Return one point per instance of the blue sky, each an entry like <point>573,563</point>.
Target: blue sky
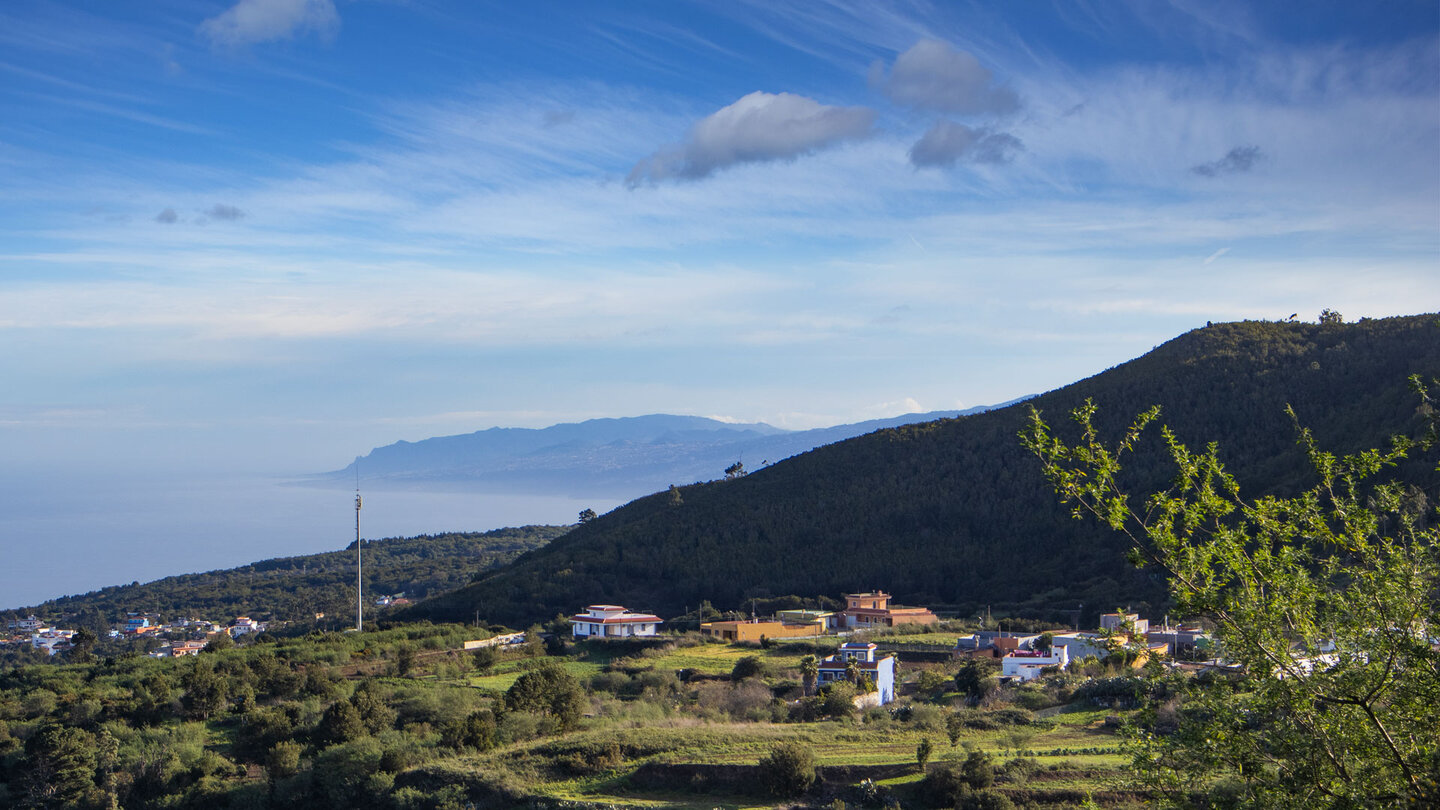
<point>272,234</point>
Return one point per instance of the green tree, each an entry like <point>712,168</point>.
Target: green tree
<point>475,730</point>
<point>978,771</point>
<point>1325,602</point>
<point>404,660</point>
<point>736,470</point>
<point>586,515</point>
<point>340,723</point>
<point>838,699</point>
<point>485,659</point>
<point>923,752</point>
<point>974,678</point>
<point>809,673</point>
<point>789,769</point>
<point>81,644</point>
<point>548,690</point>
<point>1329,317</point>
<point>954,728</point>
<point>369,701</point>
<point>283,760</point>
<point>676,499</point>
<point>205,691</point>
<point>59,768</point>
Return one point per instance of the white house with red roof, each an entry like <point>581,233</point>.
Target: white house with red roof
<point>613,621</point>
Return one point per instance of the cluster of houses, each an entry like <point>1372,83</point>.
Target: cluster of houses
<point>182,636</point>
<point>1026,656</point>
<point>1023,656</point>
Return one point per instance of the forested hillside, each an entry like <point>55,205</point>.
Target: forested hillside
<point>954,513</point>
<point>296,588</point>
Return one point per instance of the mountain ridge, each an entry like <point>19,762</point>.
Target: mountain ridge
<point>953,513</point>
<point>625,456</point>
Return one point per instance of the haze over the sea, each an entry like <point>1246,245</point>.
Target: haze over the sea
<point>242,240</point>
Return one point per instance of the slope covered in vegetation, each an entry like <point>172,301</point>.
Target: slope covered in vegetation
<point>954,513</point>
<point>296,588</point>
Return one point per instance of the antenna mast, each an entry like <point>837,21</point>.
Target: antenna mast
<point>359,586</point>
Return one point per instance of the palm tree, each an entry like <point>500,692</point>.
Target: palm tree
<point>809,673</point>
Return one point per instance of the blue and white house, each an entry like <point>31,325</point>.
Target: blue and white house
<point>881,671</point>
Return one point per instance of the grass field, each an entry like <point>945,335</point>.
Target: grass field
<point>592,658</point>
<point>833,743</point>
<point>1073,749</point>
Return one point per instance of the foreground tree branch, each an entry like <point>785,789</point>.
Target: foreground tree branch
<point>1325,612</point>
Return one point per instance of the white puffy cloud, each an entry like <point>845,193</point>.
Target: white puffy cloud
<point>933,75</point>
<point>947,143</point>
<point>253,21</point>
<point>759,127</point>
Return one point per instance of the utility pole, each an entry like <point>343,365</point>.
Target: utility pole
<point>359,583</point>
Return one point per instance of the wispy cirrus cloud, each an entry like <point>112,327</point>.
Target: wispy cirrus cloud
<point>760,127</point>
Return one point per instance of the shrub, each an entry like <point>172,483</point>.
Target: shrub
<point>548,690</point>
<point>928,717</point>
<point>977,770</point>
<point>789,769</point>
<point>941,786</point>
<point>340,723</point>
<point>476,730</point>
<point>838,700</point>
<point>748,667</point>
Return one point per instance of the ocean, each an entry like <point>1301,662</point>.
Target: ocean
<point>70,534</point>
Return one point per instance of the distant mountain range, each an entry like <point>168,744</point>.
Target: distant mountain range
<point>624,457</point>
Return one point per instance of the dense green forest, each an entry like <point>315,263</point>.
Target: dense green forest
<point>296,588</point>
<point>954,513</point>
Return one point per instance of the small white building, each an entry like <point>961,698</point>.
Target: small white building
<point>613,621</point>
<point>1027,665</point>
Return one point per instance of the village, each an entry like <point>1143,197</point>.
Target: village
<point>1023,656</point>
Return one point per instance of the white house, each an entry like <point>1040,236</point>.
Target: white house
<point>30,625</point>
<point>245,624</point>
<point>1027,665</point>
<point>1079,646</point>
<point>613,621</point>
<point>51,641</point>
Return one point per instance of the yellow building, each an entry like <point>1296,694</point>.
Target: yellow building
<point>755,630</point>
